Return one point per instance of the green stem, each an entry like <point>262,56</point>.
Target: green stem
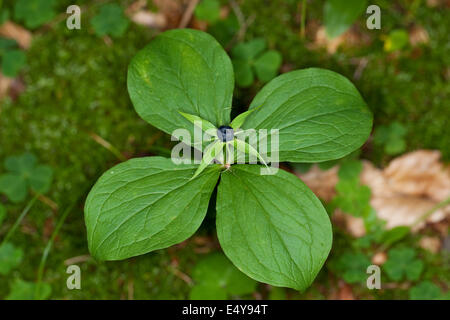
<point>303,18</point>
<point>19,219</point>
<point>47,249</point>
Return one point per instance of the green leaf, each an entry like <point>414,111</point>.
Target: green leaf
<point>243,73</point>
<point>34,13</point>
<point>402,263</point>
<point>24,173</point>
<point>6,44</point>
<point>215,278</point>
<point>2,213</point>
<point>248,51</point>
<point>352,267</point>
<point>208,10</point>
<point>319,114</point>
<point>110,21</point>
<point>212,151</point>
<point>396,40</point>
<point>146,204</point>
<point>267,65</point>
<point>240,119</point>
<point>14,186</point>
<point>391,137</point>
<point>205,125</point>
<point>246,148</point>
<point>23,290</point>
<point>41,178</point>
<point>12,62</point>
<point>425,290</point>
<point>10,257</point>
<point>394,235</point>
<point>339,15</point>
<point>181,70</point>
<point>277,235</point>
<point>225,30</point>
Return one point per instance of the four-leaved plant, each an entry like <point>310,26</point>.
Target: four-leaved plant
<point>272,227</point>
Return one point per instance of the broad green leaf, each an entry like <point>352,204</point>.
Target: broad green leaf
<point>12,62</point>
<point>425,290</point>
<point>34,13</point>
<point>339,15</point>
<point>218,277</point>
<point>2,213</point>
<point>23,290</point>
<point>205,125</point>
<point>208,10</point>
<point>272,227</point>
<point>320,115</point>
<point>146,204</point>
<point>10,257</point>
<point>395,234</point>
<point>402,262</point>
<point>110,21</point>
<point>212,151</point>
<point>267,65</point>
<point>181,70</point>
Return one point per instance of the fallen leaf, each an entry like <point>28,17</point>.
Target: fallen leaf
<point>418,35</point>
<point>379,258</point>
<point>432,244</point>
<point>149,19</point>
<point>14,31</point>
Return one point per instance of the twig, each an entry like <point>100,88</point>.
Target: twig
<point>187,16</point>
<point>108,146</point>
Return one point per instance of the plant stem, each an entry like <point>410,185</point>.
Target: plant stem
<point>48,248</point>
<point>108,146</point>
<point>302,20</point>
<point>19,219</point>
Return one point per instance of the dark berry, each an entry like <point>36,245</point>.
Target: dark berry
<point>225,133</point>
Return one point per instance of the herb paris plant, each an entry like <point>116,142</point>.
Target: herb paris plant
<point>272,227</point>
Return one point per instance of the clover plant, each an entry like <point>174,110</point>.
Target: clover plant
<point>339,15</point>
<point>272,227</point>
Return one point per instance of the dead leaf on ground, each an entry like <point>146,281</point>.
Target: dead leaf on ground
<point>149,19</point>
<point>432,244</point>
<point>172,9</point>
<point>351,38</point>
<point>344,292</point>
<point>14,31</point>
<point>418,35</point>
<point>402,193</point>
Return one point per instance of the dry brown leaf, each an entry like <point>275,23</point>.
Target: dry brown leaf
<point>149,19</point>
<point>14,31</point>
<point>402,193</point>
<point>418,35</point>
<point>5,83</point>
<point>432,244</point>
<point>420,173</point>
<point>172,9</point>
<point>351,38</point>
<point>321,182</point>
<point>379,258</point>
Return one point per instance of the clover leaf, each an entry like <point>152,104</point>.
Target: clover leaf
<point>272,227</point>
<point>396,40</point>
<point>34,13</point>
<point>208,10</point>
<point>352,267</point>
<point>402,263</point>
<point>13,59</point>
<point>250,58</point>
<point>24,290</point>
<point>23,173</point>
<point>392,137</point>
<point>425,290</point>
<point>10,257</point>
<point>339,15</point>
<point>110,21</point>
<point>216,278</point>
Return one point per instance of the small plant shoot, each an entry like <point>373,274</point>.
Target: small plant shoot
<point>271,226</point>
